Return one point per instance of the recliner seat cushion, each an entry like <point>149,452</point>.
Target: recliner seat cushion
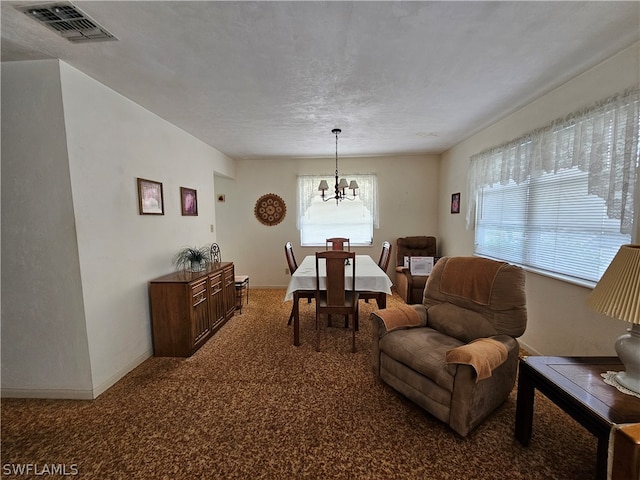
<point>422,350</point>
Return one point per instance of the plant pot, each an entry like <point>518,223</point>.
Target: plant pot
<point>196,266</point>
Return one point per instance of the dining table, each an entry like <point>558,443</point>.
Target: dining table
<point>369,278</point>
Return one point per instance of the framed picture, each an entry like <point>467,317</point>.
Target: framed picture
<point>455,203</point>
<point>150,198</point>
<point>189,201</point>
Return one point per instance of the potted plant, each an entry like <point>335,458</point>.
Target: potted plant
<point>191,258</point>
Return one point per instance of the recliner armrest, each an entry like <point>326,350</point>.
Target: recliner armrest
<point>483,354</point>
<point>471,401</point>
<point>379,328</point>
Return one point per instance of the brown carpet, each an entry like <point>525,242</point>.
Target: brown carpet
<point>250,405</point>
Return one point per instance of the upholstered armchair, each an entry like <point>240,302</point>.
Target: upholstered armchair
<point>411,287</point>
<point>455,354</point>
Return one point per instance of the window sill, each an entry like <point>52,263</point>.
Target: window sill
<point>563,278</point>
<point>556,276</point>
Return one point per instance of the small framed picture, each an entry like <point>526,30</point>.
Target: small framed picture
<point>150,197</point>
<point>189,201</point>
<point>455,203</point>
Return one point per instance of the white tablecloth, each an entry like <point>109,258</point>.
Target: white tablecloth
<point>369,276</point>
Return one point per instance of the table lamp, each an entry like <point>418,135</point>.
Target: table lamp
<point>617,295</point>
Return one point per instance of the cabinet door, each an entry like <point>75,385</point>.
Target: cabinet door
<point>229,290</point>
<point>216,301</point>
<point>171,305</point>
<point>199,312</point>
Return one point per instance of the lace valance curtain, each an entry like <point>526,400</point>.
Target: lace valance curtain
<point>601,140</point>
<point>367,192</point>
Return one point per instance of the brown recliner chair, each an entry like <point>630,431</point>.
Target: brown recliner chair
<point>455,355</point>
<point>411,287</point>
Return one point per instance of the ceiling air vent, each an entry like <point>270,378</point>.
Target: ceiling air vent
<point>67,20</point>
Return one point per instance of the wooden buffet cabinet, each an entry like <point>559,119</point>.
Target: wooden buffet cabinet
<point>188,307</point>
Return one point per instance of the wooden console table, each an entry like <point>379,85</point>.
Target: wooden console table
<point>188,307</point>
<point>575,385</point>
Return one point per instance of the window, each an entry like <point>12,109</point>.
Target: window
<point>354,219</point>
<point>560,200</point>
<point>550,223</point>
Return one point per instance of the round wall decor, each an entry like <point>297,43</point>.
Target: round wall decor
<point>270,209</point>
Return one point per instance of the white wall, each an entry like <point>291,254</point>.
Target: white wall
<point>44,337</point>
<point>110,141</point>
<point>559,321</point>
<point>408,194</point>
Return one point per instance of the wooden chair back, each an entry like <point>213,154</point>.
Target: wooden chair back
<point>336,287</point>
<point>383,263</point>
<point>293,266</point>
<point>335,298</point>
<point>385,256</point>
<point>291,259</point>
<point>337,243</point>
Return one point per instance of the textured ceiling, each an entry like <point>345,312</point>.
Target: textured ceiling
<point>271,79</point>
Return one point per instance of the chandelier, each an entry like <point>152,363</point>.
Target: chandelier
<point>340,186</point>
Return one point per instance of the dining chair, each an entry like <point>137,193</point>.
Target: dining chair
<point>385,256</point>
<point>293,266</point>
<point>337,243</point>
<point>383,263</point>
<point>335,298</point>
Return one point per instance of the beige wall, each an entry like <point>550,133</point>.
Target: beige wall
<point>559,321</point>
<point>408,193</point>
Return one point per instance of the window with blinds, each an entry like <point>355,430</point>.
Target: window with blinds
<point>561,198</point>
<point>549,223</point>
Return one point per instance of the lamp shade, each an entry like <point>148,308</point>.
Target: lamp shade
<point>323,185</point>
<point>353,185</point>
<point>617,294</point>
<point>343,183</point>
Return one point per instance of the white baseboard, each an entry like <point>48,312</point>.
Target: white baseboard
<point>269,287</point>
<point>529,348</point>
<point>111,381</point>
<point>70,394</point>
<point>47,393</point>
